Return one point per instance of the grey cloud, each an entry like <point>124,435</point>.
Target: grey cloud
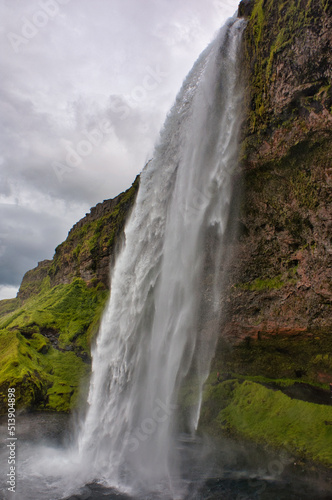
<point>25,238</point>
<point>94,64</point>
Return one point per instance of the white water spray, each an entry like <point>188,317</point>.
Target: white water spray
<point>149,337</point>
<point>161,324</point>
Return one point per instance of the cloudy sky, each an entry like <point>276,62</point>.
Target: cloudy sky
<point>85,87</point>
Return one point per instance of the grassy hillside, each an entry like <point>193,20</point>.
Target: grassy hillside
<point>46,332</point>
<point>249,409</point>
<point>45,345</point>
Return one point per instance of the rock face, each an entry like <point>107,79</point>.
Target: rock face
<point>277,294</point>
<point>32,280</point>
<point>280,280</point>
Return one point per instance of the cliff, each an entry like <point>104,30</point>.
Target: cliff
<point>274,352</point>
<point>46,332</point>
<point>280,281</point>
<point>281,278</point>
<point>89,249</point>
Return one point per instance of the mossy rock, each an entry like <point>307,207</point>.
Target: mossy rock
<point>45,346</point>
<point>269,416</point>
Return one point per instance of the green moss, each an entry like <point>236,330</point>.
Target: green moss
<point>215,398</point>
<point>257,19</point>
<point>280,357</point>
<point>40,377</point>
<point>77,251</point>
<point>261,284</point>
<point>40,343</point>
<point>8,306</point>
<point>305,189</point>
<point>68,309</point>
<point>8,348</point>
<point>45,377</point>
<point>272,29</point>
<point>271,417</point>
<point>68,374</point>
<point>277,46</point>
<point>266,415</point>
<point>325,4</point>
<point>280,383</point>
<point>19,369</point>
<point>322,362</point>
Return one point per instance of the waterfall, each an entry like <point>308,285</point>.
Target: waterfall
<point>152,334</point>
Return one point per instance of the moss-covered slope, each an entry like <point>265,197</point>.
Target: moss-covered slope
<point>267,415</point>
<point>45,345</point>
<point>46,332</point>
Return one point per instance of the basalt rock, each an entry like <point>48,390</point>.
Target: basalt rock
<point>280,277</point>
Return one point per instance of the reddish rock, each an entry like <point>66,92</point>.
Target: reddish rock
<point>280,278</point>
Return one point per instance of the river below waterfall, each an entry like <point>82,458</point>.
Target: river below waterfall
<point>211,469</point>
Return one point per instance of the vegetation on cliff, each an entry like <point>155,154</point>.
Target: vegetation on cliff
<point>279,281</point>
<point>274,354</point>
<point>45,345</point>
<point>267,415</point>
<point>287,47</point>
<point>46,332</point>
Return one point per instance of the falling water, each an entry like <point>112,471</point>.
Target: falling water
<point>161,323</point>
<point>159,330</point>
<point>149,340</point>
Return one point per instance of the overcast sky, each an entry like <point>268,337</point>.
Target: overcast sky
<point>85,87</point>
